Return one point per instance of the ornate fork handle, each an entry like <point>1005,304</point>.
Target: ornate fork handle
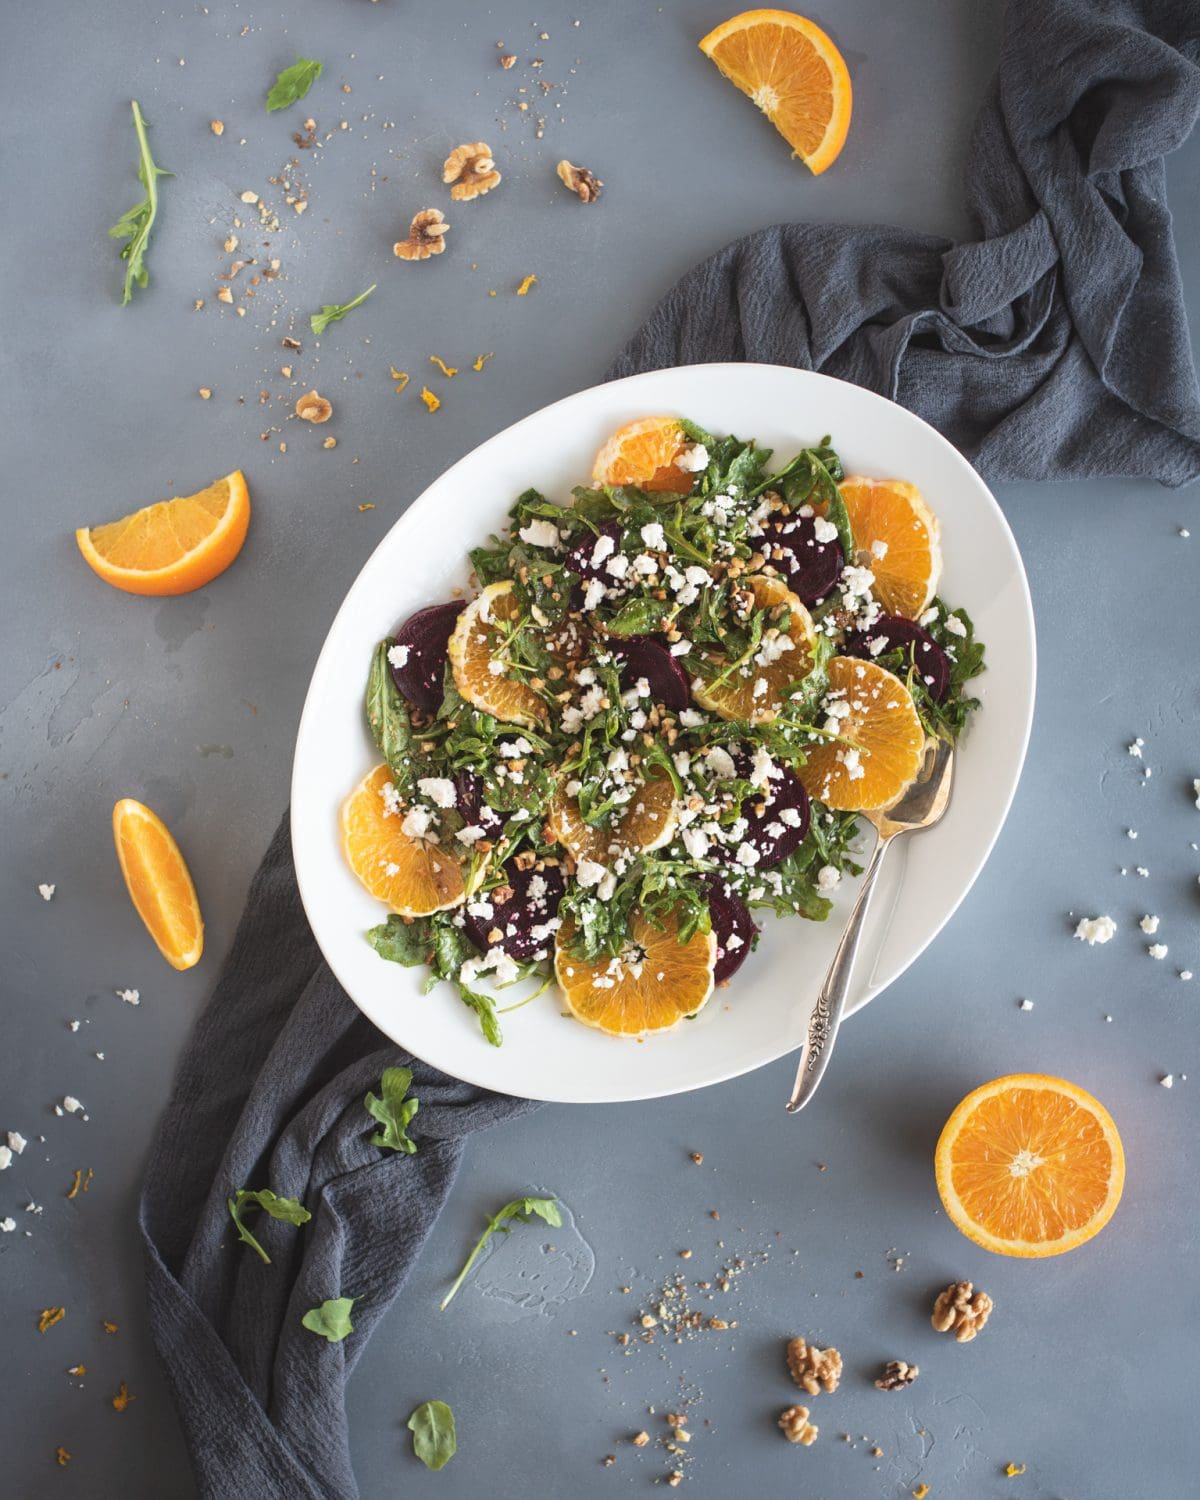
<point>831,1000</point>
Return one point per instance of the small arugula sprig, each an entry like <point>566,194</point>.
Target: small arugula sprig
<point>331,1320</point>
<point>393,1111</point>
<point>135,223</point>
<point>293,83</point>
<point>434,1440</point>
<point>334,312</point>
<point>519,1211</point>
<point>290,1210</point>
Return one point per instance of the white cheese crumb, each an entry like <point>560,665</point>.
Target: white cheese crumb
<point>879,549</point>
<point>594,592</point>
<point>1149,925</point>
<point>46,892</point>
<point>605,547</point>
<point>695,842</point>
<point>540,534</point>
<point>6,1157</point>
<point>1184,532</point>
<point>825,532</point>
<point>1026,1004</point>
<point>1131,833</point>
<point>416,822</point>
<point>1135,749</point>
<point>1142,871</point>
<point>7,1226</point>
<point>828,879</point>
<point>398,656</point>
<point>720,763</point>
<point>99,1056</point>
<point>1167,1080</point>
<point>681,647</point>
<point>16,1142</point>
<point>1157,950</point>
<point>693,460</point>
<point>1185,973</point>
<point>1095,930</point>
<point>692,718</point>
<point>439,790</point>
<point>71,1104</point>
<point>74,1025</point>
<point>1196,789</point>
<point>130,997</point>
<point>954,626</point>
<point>588,873</point>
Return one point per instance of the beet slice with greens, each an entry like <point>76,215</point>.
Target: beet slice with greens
<point>642,656</point>
<point>734,927</point>
<point>774,836</point>
<point>421,644</point>
<point>476,813</point>
<point>533,903</point>
<point>579,559</point>
<point>811,568</point>
<point>932,662</point>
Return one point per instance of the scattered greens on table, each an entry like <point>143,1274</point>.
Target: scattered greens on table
<point>135,223</point>
<point>432,1427</point>
<point>519,1211</point>
<point>288,1209</point>
<point>293,83</point>
<point>331,1320</point>
<point>393,1110</point>
<point>334,312</point>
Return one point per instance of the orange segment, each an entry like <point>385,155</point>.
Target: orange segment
<point>159,884</point>
<point>651,987</point>
<point>413,876</point>
<point>1030,1165</point>
<point>880,740</point>
<point>648,822</point>
<point>175,546</point>
<point>481,663</point>
<point>795,75</point>
<point>645,453</point>
<point>896,535</point>
<point>755,690</point>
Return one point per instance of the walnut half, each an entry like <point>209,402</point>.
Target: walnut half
<point>796,1427</point>
<point>957,1311</point>
<point>314,408</point>
<point>471,170</point>
<point>811,1368</point>
<point>581,182</point>
<point>897,1373</point>
<point>426,236</point>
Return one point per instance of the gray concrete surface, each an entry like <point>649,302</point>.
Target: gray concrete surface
<point>1084,1373</point>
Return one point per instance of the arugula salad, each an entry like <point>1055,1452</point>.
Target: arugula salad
<point>660,714</point>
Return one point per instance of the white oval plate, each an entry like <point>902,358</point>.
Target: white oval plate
<point>764,1011</point>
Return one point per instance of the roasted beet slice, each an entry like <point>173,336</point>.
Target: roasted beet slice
<point>425,637</point>
<point>768,831</point>
<point>534,902</point>
<point>932,662</point>
<point>641,656</point>
<point>810,567</point>
<point>579,559</point>
<point>731,919</point>
<point>476,813</point>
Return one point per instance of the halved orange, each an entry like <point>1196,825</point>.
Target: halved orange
<point>1029,1165</point>
<point>648,821</point>
<point>896,535</point>
<point>651,987</point>
<point>175,546</point>
<point>755,690</point>
<point>159,883</point>
<point>880,741</point>
<point>645,453</point>
<point>479,663</point>
<point>412,876</point>
<point>795,75</point>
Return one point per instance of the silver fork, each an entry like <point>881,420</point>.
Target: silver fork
<point>918,807</point>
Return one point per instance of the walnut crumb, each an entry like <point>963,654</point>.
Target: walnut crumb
<point>697,1157</point>
<point>205,393</point>
<point>290,343</point>
<point>675,1478</point>
<point>811,1368</point>
<point>584,184</point>
<point>640,1439</point>
<point>472,171</point>
<point>314,408</point>
<point>231,244</point>
<point>224,294</point>
<point>897,1373</point>
<point>248,196</point>
<point>217,127</point>
<point>796,1427</point>
<point>508,60</point>
<point>330,442</point>
<point>426,236</point>
<point>959,1312</point>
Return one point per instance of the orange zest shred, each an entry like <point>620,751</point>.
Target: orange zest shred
<point>481,361</point>
<point>73,1191</point>
<point>77,1370</point>
<point>1012,1470</point>
<point>523,289</point>
<point>401,376</point>
<point>430,400</point>
<point>370,505</point>
<point>920,1492</point>
<point>109,1327</point>
<point>87,1180</point>
<point>122,1399</point>
<point>49,1316</point>
<point>61,1457</point>
<point>449,371</point>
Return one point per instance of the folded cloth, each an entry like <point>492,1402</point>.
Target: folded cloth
<point>1053,344</point>
<point>270,1094</point>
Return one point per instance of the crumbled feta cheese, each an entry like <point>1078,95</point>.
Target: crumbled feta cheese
<point>439,790</point>
<point>495,961</point>
<point>1142,871</point>
<point>46,892</point>
<point>929,616</point>
<point>879,549</point>
<point>605,547</point>
<point>852,760</point>
<point>7,1226</point>
<point>772,648</point>
<point>828,879</point>
<point>588,873</point>
<point>1185,973</point>
<point>480,908</point>
<point>617,566</point>
<point>824,531</point>
<point>1149,925</point>
<point>390,797</point>
<point>720,763</point>
<point>1136,748</point>
<point>74,1025</point>
<point>954,626</point>
<point>693,460</point>
<point>594,592</point>
<point>1095,930</point>
<point>680,647</point>
<point>761,767</point>
<point>1167,1080</point>
<point>1131,833</point>
<point>416,822</point>
<point>682,762</point>
<point>1026,1004</point>
<point>130,997</point>
<point>645,565</point>
<point>510,749</point>
<point>695,842</point>
<point>398,656</point>
<point>790,816</point>
<point>471,834</point>
<point>1196,789</point>
<point>540,533</point>
<point>16,1142</point>
<point>6,1157</point>
<point>692,718</point>
<point>747,855</point>
<point>1157,950</point>
<point>71,1105</point>
<point>652,537</point>
<point>496,668</point>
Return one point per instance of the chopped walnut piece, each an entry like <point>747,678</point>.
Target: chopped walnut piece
<point>314,408</point>
<point>508,60</point>
<point>584,184</point>
<point>330,442</point>
<point>290,343</point>
<point>675,1478</point>
<point>640,1439</point>
<point>62,1457</point>
<point>796,1427</point>
<point>217,127</point>
<point>957,1311</point>
<point>811,1368</point>
<point>426,236</point>
<point>471,170</point>
<point>205,393</point>
<point>897,1373</point>
<point>121,1400</point>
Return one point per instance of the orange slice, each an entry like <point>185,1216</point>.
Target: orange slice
<point>1030,1165</point>
<point>795,75</point>
<point>880,741</point>
<point>651,987</point>
<point>645,453</point>
<point>175,546</point>
<point>896,536</point>
<point>160,886</point>
<point>477,648</point>
<point>742,695</point>
<point>647,822</point>
<point>412,876</point>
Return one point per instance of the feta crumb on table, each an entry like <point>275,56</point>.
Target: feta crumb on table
<point>1095,930</point>
<point>16,1142</point>
<point>7,1226</point>
<point>46,892</point>
<point>1157,950</point>
<point>130,997</point>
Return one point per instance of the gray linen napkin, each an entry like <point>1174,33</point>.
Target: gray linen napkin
<point>1056,345</point>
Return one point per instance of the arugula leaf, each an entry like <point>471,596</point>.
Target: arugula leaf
<point>334,312</point>
<point>485,1009</point>
<point>432,1427</point>
<point>519,1211</point>
<point>437,942</point>
<point>393,1111</point>
<point>388,719</point>
<point>293,83</point>
<point>400,942</point>
<point>290,1210</point>
<point>135,223</point>
<point>331,1320</point>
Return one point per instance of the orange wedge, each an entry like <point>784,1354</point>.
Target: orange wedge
<point>477,649</point>
<point>647,822</point>
<point>645,453</point>
<point>1030,1165</point>
<point>896,536</point>
<point>880,740</point>
<point>651,987</point>
<point>173,547</point>
<point>795,75</point>
<point>755,690</point>
<point>159,884</point>
<point>412,876</point>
